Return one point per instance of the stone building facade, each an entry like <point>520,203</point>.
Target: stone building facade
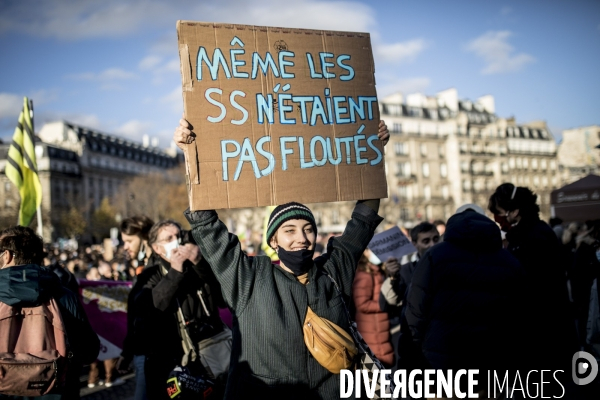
<point>445,152</point>
<point>579,153</point>
<point>80,167</point>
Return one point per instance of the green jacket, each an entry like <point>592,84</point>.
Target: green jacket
<point>269,358</point>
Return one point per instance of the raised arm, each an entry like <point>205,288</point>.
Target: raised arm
<point>234,270</point>
<point>345,251</point>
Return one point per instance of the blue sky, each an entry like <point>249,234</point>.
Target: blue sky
<point>113,65</point>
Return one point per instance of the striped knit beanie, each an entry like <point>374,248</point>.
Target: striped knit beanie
<point>285,212</point>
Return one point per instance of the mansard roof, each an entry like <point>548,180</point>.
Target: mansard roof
<point>98,142</point>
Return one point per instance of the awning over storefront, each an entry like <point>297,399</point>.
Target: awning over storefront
<point>579,201</point>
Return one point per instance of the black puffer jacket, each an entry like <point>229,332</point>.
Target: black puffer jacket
<point>463,305</point>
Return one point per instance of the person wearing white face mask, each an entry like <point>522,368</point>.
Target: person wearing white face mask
<point>179,282</point>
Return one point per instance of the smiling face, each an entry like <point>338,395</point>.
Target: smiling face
<point>294,235</point>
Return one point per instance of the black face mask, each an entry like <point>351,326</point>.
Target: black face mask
<point>298,261</point>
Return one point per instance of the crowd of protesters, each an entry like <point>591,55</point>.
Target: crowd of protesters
<point>472,296</point>
<point>506,293</point>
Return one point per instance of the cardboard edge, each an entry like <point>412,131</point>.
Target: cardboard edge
<point>301,31</point>
<point>185,65</point>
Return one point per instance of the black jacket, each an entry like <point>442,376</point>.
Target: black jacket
<point>42,284</point>
<point>552,334</point>
<point>137,337</point>
<point>463,305</point>
<point>156,304</point>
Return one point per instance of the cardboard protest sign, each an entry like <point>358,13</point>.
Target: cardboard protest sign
<point>280,115</point>
<point>391,243</point>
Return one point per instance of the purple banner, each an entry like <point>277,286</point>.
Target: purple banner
<point>105,303</point>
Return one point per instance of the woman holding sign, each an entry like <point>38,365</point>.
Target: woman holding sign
<point>275,307</point>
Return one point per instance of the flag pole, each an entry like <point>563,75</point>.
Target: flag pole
<point>40,231</point>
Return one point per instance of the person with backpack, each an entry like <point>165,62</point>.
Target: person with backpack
<point>39,320</point>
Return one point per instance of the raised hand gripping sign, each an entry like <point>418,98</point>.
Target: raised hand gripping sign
<point>280,115</point>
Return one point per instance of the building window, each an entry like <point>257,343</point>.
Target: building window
<point>445,192</point>
<point>401,149</point>
<point>403,169</point>
<point>534,164</point>
<point>477,167</point>
<point>478,185</point>
<point>335,217</point>
<point>6,187</point>
<point>404,193</point>
<point>429,212</point>
<point>525,163</point>
<point>425,171</point>
<point>394,109</point>
<point>414,112</point>
<point>544,182</point>
<point>464,166</point>
<point>463,147</point>
<point>543,164</point>
<point>552,165</point>
<point>441,151</point>
<point>396,128</point>
<point>8,203</point>
<point>511,163</point>
<point>504,167</point>
<point>404,214</point>
<point>466,184</point>
<point>423,148</point>
<point>443,170</point>
<point>427,192</point>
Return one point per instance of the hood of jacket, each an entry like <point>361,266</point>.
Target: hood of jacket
<point>474,231</point>
<point>27,285</point>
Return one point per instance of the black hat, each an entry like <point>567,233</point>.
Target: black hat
<point>285,212</point>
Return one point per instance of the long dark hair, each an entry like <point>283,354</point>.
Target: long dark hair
<point>510,197</point>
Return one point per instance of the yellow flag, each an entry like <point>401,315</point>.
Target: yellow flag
<point>21,166</point>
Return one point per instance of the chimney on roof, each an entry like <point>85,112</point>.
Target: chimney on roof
<point>488,103</point>
<point>448,98</point>
<point>145,141</point>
